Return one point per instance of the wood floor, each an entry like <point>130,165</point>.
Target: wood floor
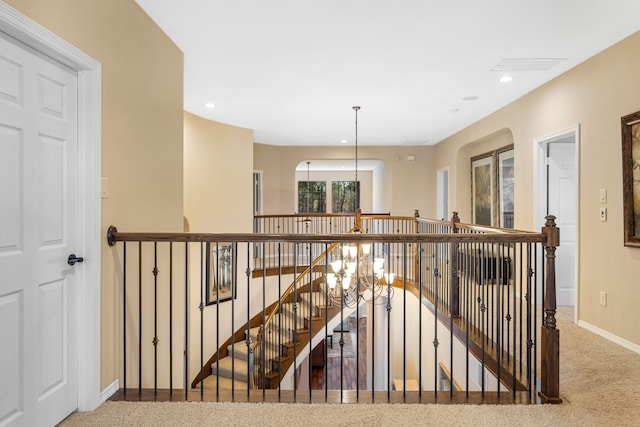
<point>342,373</point>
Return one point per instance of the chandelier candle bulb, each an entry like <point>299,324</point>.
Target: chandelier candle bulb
<point>336,266</point>
<point>351,268</point>
<point>353,251</point>
<point>331,281</point>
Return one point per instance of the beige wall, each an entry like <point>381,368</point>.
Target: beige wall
<point>594,95</point>
<point>218,165</point>
<point>218,187</point>
<point>408,185</point>
<point>142,80</point>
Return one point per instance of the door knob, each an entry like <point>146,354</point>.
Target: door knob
<point>73,259</point>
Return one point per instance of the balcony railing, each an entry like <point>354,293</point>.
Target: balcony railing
<point>252,317</point>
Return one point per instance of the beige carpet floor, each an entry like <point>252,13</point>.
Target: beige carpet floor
<point>599,383</point>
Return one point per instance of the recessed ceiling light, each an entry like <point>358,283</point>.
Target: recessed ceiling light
<point>505,79</point>
<point>209,105</point>
<point>470,98</point>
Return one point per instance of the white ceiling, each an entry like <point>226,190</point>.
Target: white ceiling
<point>291,70</point>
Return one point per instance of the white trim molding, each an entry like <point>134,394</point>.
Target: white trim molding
<point>89,72</point>
<point>539,161</point>
<point>609,336</point>
<point>109,391</point>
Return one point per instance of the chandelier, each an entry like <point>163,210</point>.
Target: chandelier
<point>358,275</point>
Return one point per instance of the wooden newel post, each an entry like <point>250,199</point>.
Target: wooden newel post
<point>550,346</point>
<point>455,273</point>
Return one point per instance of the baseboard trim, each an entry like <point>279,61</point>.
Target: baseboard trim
<point>109,391</point>
<point>611,337</point>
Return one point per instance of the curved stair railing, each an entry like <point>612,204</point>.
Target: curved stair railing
<point>260,341</point>
<point>486,288</point>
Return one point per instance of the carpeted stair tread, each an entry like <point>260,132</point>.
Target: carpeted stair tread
<point>238,350</point>
<point>227,366</point>
<point>223,383</point>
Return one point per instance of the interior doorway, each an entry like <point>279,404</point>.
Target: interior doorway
<point>557,194</point>
<point>442,192</point>
<point>44,44</point>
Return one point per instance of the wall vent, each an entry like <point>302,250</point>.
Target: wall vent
<point>527,64</point>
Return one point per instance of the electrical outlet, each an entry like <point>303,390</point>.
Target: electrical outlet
<point>603,298</point>
<point>603,214</point>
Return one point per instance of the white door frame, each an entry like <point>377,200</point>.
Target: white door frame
<point>89,232</point>
<point>442,213</point>
<point>539,182</point>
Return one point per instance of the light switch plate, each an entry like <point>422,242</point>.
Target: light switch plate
<point>104,190</point>
<point>603,195</point>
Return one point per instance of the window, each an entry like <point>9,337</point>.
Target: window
<point>345,196</point>
<point>312,196</point>
<point>492,188</point>
<point>506,182</point>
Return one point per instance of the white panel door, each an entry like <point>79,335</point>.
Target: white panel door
<point>562,203</point>
<point>38,163</point>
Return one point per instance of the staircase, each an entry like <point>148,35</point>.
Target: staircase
<point>274,346</point>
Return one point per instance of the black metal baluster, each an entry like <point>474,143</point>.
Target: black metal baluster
<point>435,323</point>
<point>310,314</point>
<point>470,297</point>
<point>420,295</point>
<point>404,323</point>
<point>539,262</point>
<point>234,284</point>
<point>295,321</point>
<point>483,314</point>
<point>155,318</point>
<point>140,318</point>
<point>522,296</point>
<point>205,265</point>
<point>373,341</point>
<point>389,286</point>
<point>263,349</point>
<point>497,302</point>
<point>171,318</point>
<point>280,328</point>
<point>124,317</point>
<point>452,313</point>
<point>186,321</point>
<point>326,321</point>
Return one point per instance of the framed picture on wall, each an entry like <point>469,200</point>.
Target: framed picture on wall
<point>220,272</point>
<point>630,125</point>
<point>482,193</point>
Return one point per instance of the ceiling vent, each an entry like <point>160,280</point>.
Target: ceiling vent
<point>527,64</point>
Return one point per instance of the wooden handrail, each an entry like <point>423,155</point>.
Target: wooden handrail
<point>323,215</point>
<point>113,236</point>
